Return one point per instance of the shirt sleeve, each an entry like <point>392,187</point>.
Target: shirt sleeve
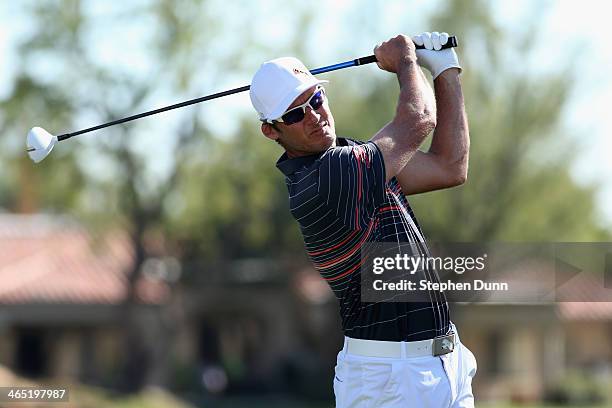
<point>352,182</point>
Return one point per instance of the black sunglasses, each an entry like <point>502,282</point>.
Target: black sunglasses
<point>296,114</point>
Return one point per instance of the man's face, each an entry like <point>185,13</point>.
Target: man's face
<point>313,134</point>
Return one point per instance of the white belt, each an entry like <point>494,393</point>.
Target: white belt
<point>402,349</point>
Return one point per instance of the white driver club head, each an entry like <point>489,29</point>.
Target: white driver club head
<point>40,143</point>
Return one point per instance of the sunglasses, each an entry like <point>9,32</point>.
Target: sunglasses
<point>296,114</point>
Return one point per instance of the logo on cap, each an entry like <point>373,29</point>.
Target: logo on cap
<point>298,71</point>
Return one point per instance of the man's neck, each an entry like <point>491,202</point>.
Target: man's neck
<point>292,154</point>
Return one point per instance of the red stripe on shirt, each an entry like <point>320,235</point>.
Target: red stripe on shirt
<point>334,247</point>
<point>342,275</point>
<point>348,254</point>
<point>389,208</point>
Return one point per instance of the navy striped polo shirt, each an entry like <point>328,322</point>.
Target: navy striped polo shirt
<point>341,201</point>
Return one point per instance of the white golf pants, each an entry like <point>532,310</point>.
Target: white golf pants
<point>419,382</point>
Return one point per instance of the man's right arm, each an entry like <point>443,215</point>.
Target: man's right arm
<point>415,116</point>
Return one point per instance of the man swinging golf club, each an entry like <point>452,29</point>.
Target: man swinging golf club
<point>346,193</point>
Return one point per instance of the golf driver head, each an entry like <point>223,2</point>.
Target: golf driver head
<point>40,143</point>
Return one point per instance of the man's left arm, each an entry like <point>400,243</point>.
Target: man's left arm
<point>445,164</point>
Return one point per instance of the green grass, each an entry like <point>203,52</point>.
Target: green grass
<point>91,397</point>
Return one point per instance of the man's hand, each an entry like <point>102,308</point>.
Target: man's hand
<point>433,57</point>
<point>394,52</point>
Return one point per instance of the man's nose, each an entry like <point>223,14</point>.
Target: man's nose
<point>311,114</point>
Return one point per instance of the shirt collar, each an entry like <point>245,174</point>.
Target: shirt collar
<point>289,166</point>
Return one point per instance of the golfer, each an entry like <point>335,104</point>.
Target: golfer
<point>346,193</point>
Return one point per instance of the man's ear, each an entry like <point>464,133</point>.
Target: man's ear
<point>269,131</point>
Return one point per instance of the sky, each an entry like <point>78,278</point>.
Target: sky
<point>564,27</point>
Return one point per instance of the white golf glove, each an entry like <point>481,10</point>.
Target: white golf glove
<point>432,59</point>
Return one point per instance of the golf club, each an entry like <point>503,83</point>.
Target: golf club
<point>40,142</point>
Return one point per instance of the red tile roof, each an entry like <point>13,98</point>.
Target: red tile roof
<point>49,259</point>
<point>581,311</point>
<point>584,297</point>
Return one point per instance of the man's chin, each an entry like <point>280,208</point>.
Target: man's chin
<point>328,140</point>
<point>332,140</point>
<point>318,143</point>
<point>325,133</point>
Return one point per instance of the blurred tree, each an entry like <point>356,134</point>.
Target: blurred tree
<point>61,77</point>
<point>519,186</point>
<point>110,182</point>
<point>52,96</point>
<point>238,197</point>
<point>230,190</point>
<point>32,101</point>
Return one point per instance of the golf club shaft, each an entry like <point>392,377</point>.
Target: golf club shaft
<point>155,111</point>
<point>452,42</point>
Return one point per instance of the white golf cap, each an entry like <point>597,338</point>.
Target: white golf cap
<point>277,83</point>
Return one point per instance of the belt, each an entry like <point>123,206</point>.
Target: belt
<point>402,349</point>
